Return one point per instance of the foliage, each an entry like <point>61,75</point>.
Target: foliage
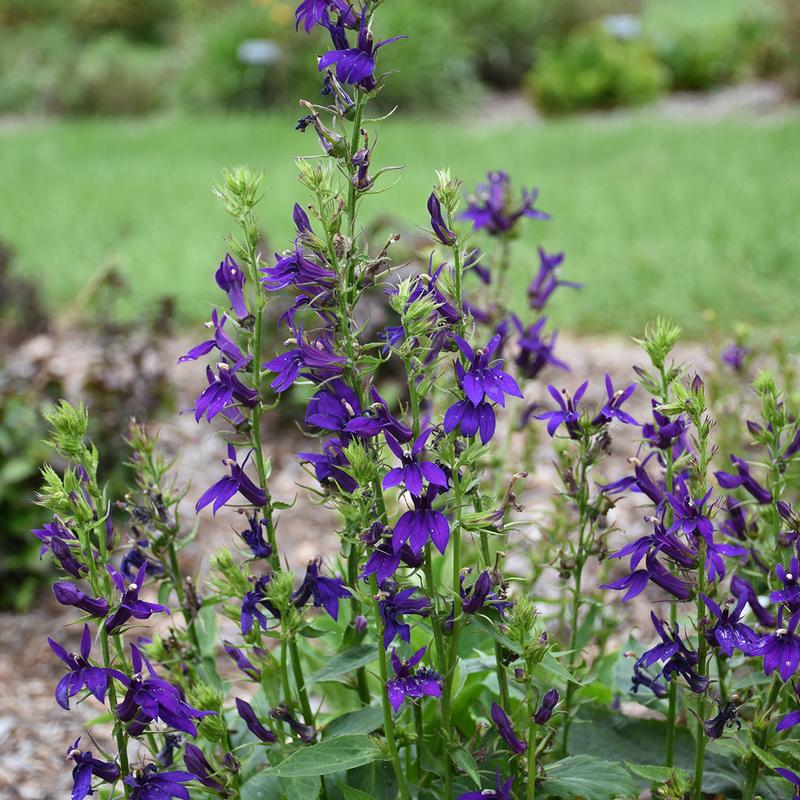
<point>437,653</point>
<point>593,69</point>
<point>119,382</point>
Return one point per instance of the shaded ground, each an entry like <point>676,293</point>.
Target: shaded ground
<point>35,732</point>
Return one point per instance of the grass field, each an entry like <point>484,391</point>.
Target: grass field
<point>656,217</point>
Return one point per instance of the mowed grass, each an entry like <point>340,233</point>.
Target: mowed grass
<point>656,217</point>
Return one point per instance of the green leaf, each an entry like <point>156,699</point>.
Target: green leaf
<point>464,761</point>
<point>656,774</point>
<point>345,663</point>
<point>351,793</point>
<point>588,778</point>
<point>549,669</point>
<point>300,788</point>
<point>330,755</point>
<point>767,759</point>
<point>365,720</point>
<point>261,787</point>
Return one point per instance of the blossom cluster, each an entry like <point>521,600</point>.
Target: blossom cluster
<point>417,643</point>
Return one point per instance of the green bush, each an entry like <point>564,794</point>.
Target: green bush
<point>790,39</point>
<point>594,70</point>
<point>433,67</point>
<point>146,20</point>
<point>115,76</point>
<point>33,62</point>
<point>212,75</point>
<point>698,59</point>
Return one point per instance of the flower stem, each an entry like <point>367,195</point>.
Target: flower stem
<point>760,724</point>
<point>702,670</point>
<point>119,732</point>
<point>388,721</point>
<point>300,681</point>
<point>443,667</point>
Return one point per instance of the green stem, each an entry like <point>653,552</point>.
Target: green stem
<point>761,726</point>
<point>443,667</point>
<point>702,669</point>
<point>300,681</point>
<point>531,757</point>
<point>672,709</point>
<point>388,721</point>
<point>119,732</point>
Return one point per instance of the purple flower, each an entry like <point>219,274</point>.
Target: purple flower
<point>225,488</point>
<point>654,571</point>
<point>224,387</point>
<point>333,407</point>
<point>221,341</point>
<point>86,767</point>
<point>293,268</point>
<point>317,361</point>
<point>253,537</point>
<point>231,280</point>
<point>149,697</point>
<point>383,561</point>
<point>663,432</point>
<point>422,523</point>
<point>330,466</point>
<point>354,65</point>
<point>491,207</point>
<point>134,558</point>
<point>438,225</point>
<point>792,718</point>
<point>197,763</point>
<point>545,710</point>
<point>166,755</point>
<point>613,405</point>
<point>484,377</point>
<point>501,791</point>
<point>790,594</point>
<point>639,482</point>
<point>743,588</point>
<point>790,776</point>
<point>426,286</point>
<point>734,356</point>
<point>689,514</point>
<point>253,724</point>
<point>675,657</point>
<point>80,673</point>
<point>393,606</point>
<point>414,468</point>
<point>744,479</point>
<point>535,351</point>
<point>242,662</point>
<point>315,12</point>
<point>54,531</point>
<point>68,594</point>
<point>506,730</point>
<point>411,682</point>
<point>568,414</point>
<point>726,718</point>
<point>306,733</point>
<point>62,552</point>
<point>326,592</point>
<point>378,418</point>
<point>781,649</point>
<point>546,280</point>
<point>728,632</point>
<point>469,419</point>
<point>251,601</point>
<point>147,784</point>
<point>130,605</point>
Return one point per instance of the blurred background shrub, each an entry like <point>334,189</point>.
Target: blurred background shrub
<point>593,68</point>
<point>124,57</point>
<point>85,352</point>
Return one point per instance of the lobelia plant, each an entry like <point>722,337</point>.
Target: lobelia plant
<point>413,662</point>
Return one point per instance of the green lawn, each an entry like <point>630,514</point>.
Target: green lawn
<point>656,217</point>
